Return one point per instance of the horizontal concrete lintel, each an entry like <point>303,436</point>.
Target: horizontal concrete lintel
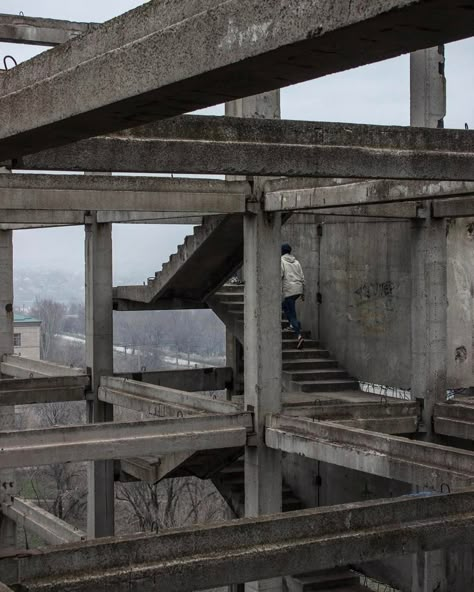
<point>164,395</point>
<point>192,380</point>
<point>238,37</point>
<point>428,465</point>
<point>17,391</point>
<point>226,145</point>
<point>122,440</point>
<point>377,194</point>
<point>366,410</point>
<point>36,520</point>
<point>250,549</point>
<point>29,30</point>
<point>151,472</point>
<point>455,420</point>
<point>454,208</point>
<point>32,219</point>
<point>22,367</point>
<point>99,192</point>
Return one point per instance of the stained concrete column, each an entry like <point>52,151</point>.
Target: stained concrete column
<point>99,358</point>
<point>429,292</point>
<point>262,338</point>
<point>7,414</point>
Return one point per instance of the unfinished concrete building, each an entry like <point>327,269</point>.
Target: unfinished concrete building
<point>326,479</point>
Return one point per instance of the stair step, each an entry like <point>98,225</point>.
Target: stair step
<point>318,374</point>
<point>318,386</point>
<point>288,343</point>
<point>335,580</point>
<point>304,353</point>
<point>308,364</point>
<point>291,503</point>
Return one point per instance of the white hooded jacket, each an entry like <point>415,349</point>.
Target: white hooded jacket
<point>292,277</point>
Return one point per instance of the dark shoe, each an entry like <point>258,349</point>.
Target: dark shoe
<point>300,343</point>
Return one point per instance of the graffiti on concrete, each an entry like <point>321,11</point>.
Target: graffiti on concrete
<point>375,290</point>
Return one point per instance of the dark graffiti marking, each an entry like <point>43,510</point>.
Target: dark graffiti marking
<point>376,290</point>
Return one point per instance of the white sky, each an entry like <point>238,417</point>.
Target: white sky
<point>377,94</point>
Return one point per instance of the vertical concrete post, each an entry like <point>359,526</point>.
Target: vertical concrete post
<point>7,414</point>
<point>427,88</point>
<point>99,358</point>
<point>429,291</point>
<point>262,337</point>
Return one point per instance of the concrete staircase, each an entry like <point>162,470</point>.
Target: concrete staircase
<point>230,483</point>
<point>205,260</point>
<point>308,370</point>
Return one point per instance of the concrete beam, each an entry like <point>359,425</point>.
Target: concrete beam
<point>43,390</point>
<point>100,192</point>
<point>193,380</point>
<point>39,31</point>
<point>455,420</point>
<point>21,367</point>
<point>49,103</point>
<point>152,470</point>
<point>244,550</point>
<point>428,465</point>
<point>236,146</point>
<point>122,440</point>
<point>34,219</point>
<point>155,399</point>
<point>362,193</point>
<point>453,208</point>
<point>34,519</point>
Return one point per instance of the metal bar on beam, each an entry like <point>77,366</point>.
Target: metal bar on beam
<point>122,440</point>
<point>48,527</point>
<point>362,194</point>
<point>233,145</point>
<point>39,31</point>
<point>99,192</point>
<point>237,37</point>
<point>206,556</point>
<point>425,464</point>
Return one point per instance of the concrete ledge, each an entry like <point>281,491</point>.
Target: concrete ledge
<point>122,440</point>
<point>193,380</point>
<point>428,465</point>
<point>249,549</point>
<point>43,390</point>
<point>21,367</point>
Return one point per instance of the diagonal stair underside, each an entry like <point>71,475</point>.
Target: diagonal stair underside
<point>205,260</point>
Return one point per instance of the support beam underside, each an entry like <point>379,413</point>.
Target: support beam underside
<point>286,35</point>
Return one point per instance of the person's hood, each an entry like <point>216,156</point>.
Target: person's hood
<point>289,258</point>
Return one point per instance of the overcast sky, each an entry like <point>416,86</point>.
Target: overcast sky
<point>377,94</point>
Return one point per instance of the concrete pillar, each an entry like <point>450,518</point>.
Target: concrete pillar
<point>7,414</point>
<point>427,88</point>
<point>429,291</point>
<point>99,358</point>
<point>262,337</point>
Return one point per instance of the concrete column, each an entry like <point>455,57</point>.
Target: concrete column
<point>427,88</point>
<point>234,360</point>
<point>262,338</point>
<point>429,291</point>
<point>7,414</point>
<point>99,357</point>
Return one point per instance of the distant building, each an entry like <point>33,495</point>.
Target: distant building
<point>27,336</point>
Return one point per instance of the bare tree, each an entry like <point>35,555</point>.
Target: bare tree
<point>61,489</point>
<point>51,314</point>
<point>172,503</point>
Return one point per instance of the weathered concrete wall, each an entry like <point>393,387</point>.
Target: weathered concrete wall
<point>364,281</point>
<point>460,253</point>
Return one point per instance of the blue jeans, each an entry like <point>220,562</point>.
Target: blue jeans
<point>289,308</point>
